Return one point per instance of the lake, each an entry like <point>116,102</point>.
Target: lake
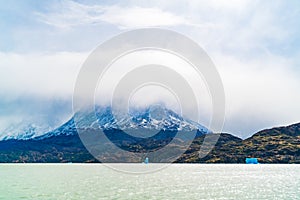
<point>175,181</point>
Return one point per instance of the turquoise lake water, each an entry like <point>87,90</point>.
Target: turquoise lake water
<point>176,181</point>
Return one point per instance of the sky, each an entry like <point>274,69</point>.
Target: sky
<point>255,45</point>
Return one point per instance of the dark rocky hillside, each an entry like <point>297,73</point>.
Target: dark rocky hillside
<point>276,145</point>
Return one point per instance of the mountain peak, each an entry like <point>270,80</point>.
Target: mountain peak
<point>152,118</point>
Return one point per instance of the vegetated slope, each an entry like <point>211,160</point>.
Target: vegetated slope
<point>275,145</point>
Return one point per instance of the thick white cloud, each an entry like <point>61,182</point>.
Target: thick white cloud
<point>260,93</point>
<point>46,75</point>
<point>253,43</point>
<point>36,90</point>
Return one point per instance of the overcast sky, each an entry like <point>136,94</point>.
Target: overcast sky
<point>255,45</point>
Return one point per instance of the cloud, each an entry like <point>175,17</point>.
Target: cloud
<point>39,74</point>
<point>73,14</point>
<point>255,45</point>
<point>21,113</point>
<point>36,90</point>
<point>245,29</point>
<point>260,93</point>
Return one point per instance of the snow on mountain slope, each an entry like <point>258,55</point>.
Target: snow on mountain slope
<point>154,117</point>
<point>150,118</point>
<point>24,130</point>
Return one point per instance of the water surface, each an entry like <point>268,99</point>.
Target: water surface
<point>177,181</point>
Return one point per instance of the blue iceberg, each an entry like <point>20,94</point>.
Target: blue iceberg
<point>251,161</point>
<point>146,161</point>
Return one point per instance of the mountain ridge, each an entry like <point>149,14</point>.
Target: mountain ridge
<point>103,118</point>
<point>279,148</point>
<point>273,145</point>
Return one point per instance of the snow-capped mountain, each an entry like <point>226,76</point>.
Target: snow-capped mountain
<point>155,118</point>
<point>24,130</point>
<point>150,118</point>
